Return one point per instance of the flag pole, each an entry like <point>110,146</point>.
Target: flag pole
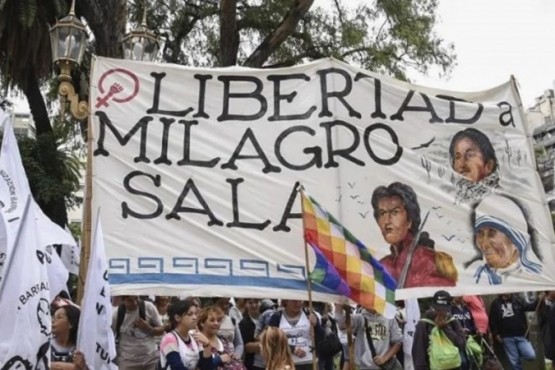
<point>308,282</point>
<point>87,216</point>
<point>350,343</point>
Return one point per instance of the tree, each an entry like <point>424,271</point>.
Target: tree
<point>388,36</point>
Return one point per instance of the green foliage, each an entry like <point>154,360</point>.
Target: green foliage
<point>47,159</point>
<point>385,36</point>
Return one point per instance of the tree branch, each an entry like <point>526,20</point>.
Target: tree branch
<point>275,39</point>
<point>229,33</point>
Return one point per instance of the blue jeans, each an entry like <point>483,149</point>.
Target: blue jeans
<point>517,348</point>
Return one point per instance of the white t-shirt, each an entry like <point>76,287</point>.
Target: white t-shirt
<point>298,335</point>
<point>136,345</point>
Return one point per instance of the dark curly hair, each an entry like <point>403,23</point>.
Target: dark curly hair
<point>407,195</point>
<point>179,308</point>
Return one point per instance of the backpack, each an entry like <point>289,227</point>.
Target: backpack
<point>121,316</point>
<point>442,353</point>
<point>329,345</point>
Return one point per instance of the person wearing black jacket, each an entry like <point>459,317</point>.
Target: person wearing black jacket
<point>508,325</point>
<point>440,313</point>
<point>247,326</point>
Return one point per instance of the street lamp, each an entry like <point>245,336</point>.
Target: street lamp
<point>141,44</point>
<point>68,39</point>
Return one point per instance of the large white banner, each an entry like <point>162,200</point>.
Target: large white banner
<point>196,171</point>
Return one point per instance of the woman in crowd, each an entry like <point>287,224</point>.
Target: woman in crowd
<point>185,348</point>
<point>223,355</point>
<point>64,332</point>
<point>275,349</point>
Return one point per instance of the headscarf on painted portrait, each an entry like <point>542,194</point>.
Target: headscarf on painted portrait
<point>506,216</point>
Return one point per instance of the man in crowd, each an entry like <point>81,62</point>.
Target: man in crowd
<point>136,324</point>
<point>253,359</point>
<point>397,213</point>
<point>508,325</point>
<point>440,314</point>
<point>373,330</point>
<point>297,324</point>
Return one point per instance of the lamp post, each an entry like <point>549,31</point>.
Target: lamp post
<point>141,44</point>
<point>68,39</point>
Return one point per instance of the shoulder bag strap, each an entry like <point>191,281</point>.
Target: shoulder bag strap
<point>369,338</point>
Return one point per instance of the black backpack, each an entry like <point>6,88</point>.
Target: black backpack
<point>121,316</point>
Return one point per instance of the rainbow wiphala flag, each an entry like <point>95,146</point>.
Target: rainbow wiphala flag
<point>343,264</point>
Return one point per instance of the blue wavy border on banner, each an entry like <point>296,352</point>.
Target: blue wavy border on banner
<point>204,279</point>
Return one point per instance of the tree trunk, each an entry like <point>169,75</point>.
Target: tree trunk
<point>107,21</point>
<point>274,40</point>
<point>36,103</point>
<point>55,207</point>
<point>229,34</point>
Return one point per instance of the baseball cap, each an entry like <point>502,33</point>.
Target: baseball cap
<point>266,304</point>
<point>441,298</point>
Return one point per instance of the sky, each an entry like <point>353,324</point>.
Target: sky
<point>493,40</point>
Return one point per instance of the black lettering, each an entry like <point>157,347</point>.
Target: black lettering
<point>103,292</point>
<point>99,308</point>
<point>105,275</point>
<point>377,95</point>
<point>340,95</point>
<point>289,97</point>
<point>394,139</point>
<point>235,205</point>
<point>165,133</point>
<point>122,140</point>
<point>506,117</point>
<point>255,94</point>
<point>452,106</point>
<point>201,95</point>
<point>156,99</point>
<point>187,161</point>
<point>126,211</point>
<point>316,151</point>
<point>405,107</point>
<point>345,152</point>
<point>178,208</point>
<point>268,167</point>
<point>287,214</point>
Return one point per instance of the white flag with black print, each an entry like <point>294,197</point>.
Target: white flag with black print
<point>25,320</point>
<point>14,189</point>
<point>412,316</point>
<point>70,256</point>
<point>95,338</point>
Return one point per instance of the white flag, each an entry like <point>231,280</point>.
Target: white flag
<point>14,189</point>
<point>95,337</point>
<point>25,320</point>
<point>70,256</point>
<point>413,316</point>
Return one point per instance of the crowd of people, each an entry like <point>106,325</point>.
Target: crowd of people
<point>254,334</point>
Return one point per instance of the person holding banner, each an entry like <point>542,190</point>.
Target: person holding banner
<point>505,246</point>
<point>413,262</point>
<point>472,155</point>
<point>185,348</point>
